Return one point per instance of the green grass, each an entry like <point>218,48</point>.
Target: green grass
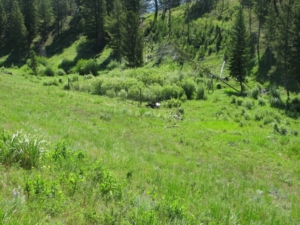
<point>219,165</point>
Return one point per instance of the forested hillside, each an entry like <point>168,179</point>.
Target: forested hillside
<point>187,31</point>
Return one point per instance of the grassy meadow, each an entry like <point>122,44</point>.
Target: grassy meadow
<point>231,160</point>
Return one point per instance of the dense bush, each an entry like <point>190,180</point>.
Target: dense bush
<point>170,91</point>
<point>254,93</point>
<point>66,64</point>
<point>112,65</point>
<point>201,95</point>
<point>49,71</point>
<point>85,67</point>
<point>60,72</point>
<point>189,87</point>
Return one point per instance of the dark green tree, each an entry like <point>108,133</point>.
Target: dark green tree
<point>33,62</point>
<point>238,49</point>
<point>270,29</point>
<point>29,11</point>
<point>59,11</point>
<point>94,13</point>
<point>261,10</point>
<point>17,28</point>
<point>45,16</point>
<point>115,27</point>
<point>2,19</point>
<point>295,45</point>
<point>283,42</point>
<point>133,40</point>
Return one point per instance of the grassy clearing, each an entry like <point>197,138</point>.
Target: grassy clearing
<point>225,163</point>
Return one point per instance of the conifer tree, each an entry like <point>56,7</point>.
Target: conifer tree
<point>29,11</point>
<point>94,13</point>
<point>115,28</point>
<point>283,43</point>
<point>238,49</point>
<point>295,45</point>
<point>18,32</point>
<point>45,16</point>
<point>33,62</point>
<point>133,40</point>
<point>2,19</point>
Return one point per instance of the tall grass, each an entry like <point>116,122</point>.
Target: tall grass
<point>21,149</point>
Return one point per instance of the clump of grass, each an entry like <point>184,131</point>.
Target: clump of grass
<point>21,149</point>
<point>51,83</point>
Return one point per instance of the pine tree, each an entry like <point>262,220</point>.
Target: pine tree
<point>261,9</point>
<point>283,43</point>
<point>18,32</point>
<point>94,13</point>
<point>295,45</point>
<point>33,62</point>
<point>133,40</point>
<point>238,49</point>
<point>115,28</point>
<point>270,29</point>
<point>29,11</point>
<point>2,19</point>
<point>45,16</point>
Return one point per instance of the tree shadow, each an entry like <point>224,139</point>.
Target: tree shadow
<point>265,72</point>
<point>66,38</point>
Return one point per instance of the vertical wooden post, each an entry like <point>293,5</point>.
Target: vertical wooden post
<point>140,97</point>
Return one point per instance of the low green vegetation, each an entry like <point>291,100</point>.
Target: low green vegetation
<point>84,158</point>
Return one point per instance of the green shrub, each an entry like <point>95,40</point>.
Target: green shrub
<point>66,64</point>
<point>88,77</point>
<point>85,67</point>
<point>49,71</point>
<point>42,60</point>
<point>134,93</point>
<point>219,86</point>
<point>183,98</point>
<point>171,91</point>
<point>110,93</point>
<point>248,104</point>
<point>122,94</point>
<point>189,87</point>
<point>172,103</point>
<point>20,149</point>
<point>200,94</point>
<point>60,72</point>
<point>112,65</point>
<point>280,129</point>
<point>91,67</point>
<point>254,93</point>
<point>51,83</point>
<point>233,100</point>
<point>239,101</point>
<point>276,102</point>
<point>262,102</point>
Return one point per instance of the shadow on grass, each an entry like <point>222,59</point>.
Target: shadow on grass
<point>15,58</point>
